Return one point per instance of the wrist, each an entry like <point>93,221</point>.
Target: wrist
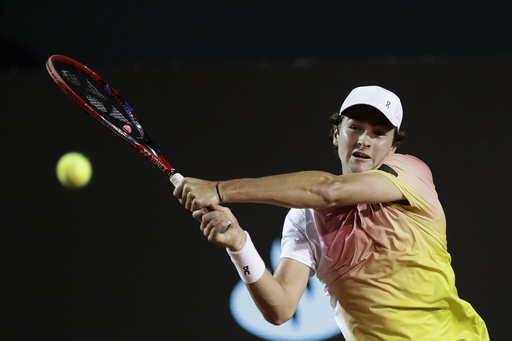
<point>247,261</point>
<point>219,195</point>
<point>241,239</point>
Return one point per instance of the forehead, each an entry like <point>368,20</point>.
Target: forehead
<point>367,114</point>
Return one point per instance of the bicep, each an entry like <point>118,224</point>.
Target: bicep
<point>293,277</point>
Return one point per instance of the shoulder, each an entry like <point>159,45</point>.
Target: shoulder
<point>414,179</point>
<point>404,159</point>
<point>403,164</point>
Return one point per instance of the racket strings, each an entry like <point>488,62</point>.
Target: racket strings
<point>105,104</point>
<point>102,98</point>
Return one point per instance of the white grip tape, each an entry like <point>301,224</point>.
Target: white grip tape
<point>248,262</point>
<point>176,179</point>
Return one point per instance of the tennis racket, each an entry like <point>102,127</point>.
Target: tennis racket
<point>101,101</point>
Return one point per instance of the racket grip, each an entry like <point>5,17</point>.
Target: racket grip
<point>176,179</point>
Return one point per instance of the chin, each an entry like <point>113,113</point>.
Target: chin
<point>360,168</point>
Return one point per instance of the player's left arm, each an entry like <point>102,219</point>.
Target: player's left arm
<point>309,189</point>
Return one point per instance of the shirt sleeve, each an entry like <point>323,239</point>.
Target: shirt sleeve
<point>414,179</point>
<point>296,244</point>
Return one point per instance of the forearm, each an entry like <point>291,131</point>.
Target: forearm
<point>313,189</point>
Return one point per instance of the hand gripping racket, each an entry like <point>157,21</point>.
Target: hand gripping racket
<point>102,102</point>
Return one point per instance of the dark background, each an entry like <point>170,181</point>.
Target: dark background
<point>231,89</point>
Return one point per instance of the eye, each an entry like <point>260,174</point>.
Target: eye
<point>380,133</point>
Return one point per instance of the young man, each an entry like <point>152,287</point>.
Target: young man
<point>375,236</point>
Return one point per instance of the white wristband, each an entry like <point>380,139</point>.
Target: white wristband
<point>248,262</point>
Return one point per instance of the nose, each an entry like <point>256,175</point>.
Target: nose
<point>364,140</point>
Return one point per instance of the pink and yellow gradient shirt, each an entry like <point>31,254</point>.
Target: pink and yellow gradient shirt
<point>386,267</point>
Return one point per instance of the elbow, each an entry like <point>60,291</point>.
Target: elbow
<point>278,315</point>
<point>331,192</point>
<point>277,320</point>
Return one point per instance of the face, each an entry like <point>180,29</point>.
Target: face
<point>364,138</point>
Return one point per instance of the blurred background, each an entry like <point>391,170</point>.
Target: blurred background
<point>231,89</point>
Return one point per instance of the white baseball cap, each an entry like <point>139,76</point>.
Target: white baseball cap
<point>384,100</point>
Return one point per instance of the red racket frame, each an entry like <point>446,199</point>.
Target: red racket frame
<point>149,153</point>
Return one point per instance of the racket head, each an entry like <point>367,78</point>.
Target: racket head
<point>96,97</point>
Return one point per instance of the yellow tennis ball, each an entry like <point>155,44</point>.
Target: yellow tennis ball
<point>74,170</point>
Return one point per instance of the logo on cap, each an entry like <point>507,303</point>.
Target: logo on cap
<point>388,103</point>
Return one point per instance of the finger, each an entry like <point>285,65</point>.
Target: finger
<point>207,226</point>
<point>222,227</point>
<point>215,218</point>
<point>227,212</point>
<point>178,190</point>
<point>189,201</point>
<point>226,226</point>
<point>206,229</point>
<point>216,221</point>
<point>196,205</point>
<point>215,207</point>
<point>215,230</point>
<point>198,214</point>
<point>208,219</point>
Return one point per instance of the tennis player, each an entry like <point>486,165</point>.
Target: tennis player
<point>374,236</point>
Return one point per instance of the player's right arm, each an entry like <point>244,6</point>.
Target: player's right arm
<point>308,189</point>
<point>277,295</point>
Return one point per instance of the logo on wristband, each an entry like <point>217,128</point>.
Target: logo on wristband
<point>246,270</point>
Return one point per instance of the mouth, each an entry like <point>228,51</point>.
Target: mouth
<point>360,155</point>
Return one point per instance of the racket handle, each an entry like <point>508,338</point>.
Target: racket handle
<point>176,179</point>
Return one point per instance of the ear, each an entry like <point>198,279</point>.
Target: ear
<point>335,136</point>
